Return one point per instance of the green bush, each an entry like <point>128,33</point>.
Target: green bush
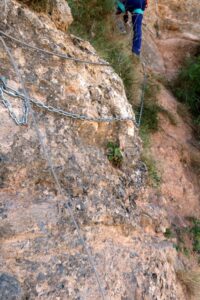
<point>38,5</point>
<point>187,86</point>
<point>186,236</point>
<point>168,233</point>
<point>114,154</point>
<point>90,17</point>
<point>89,13</point>
<point>195,230</point>
<point>154,176</point>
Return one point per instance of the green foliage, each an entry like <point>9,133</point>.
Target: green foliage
<point>149,125</point>
<point>177,247</point>
<point>114,154</point>
<point>88,13</point>
<point>150,117</point>
<point>168,233</point>
<point>150,121</point>
<point>186,251</point>
<point>37,5</point>
<point>188,238</point>
<point>195,230</point>
<point>121,62</point>
<point>153,174</point>
<point>187,87</point>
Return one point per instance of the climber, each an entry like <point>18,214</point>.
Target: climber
<point>136,8</point>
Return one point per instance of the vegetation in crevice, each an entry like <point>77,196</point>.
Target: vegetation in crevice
<point>37,5</point>
<point>149,125</point>
<point>187,238</point>
<point>114,154</point>
<point>187,88</point>
<point>187,242</point>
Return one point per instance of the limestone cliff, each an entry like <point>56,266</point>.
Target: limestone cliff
<point>42,256</point>
<point>171,34</point>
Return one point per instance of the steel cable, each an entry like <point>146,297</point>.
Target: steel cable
<point>51,166</point>
<point>53,53</point>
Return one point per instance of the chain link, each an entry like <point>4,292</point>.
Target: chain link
<point>4,89</point>
<point>24,118</point>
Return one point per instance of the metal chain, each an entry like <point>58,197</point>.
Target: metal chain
<point>142,95</point>
<point>64,56</point>
<point>24,118</point>
<point>5,89</point>
<point>40,104</point>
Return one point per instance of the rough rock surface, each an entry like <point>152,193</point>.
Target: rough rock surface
<point>61,14</point>
<point>175,149</point>
<point>42,256</point>
<point>171,34</point>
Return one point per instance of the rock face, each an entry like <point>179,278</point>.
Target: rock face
<point>42,256</point>
<point>9,287</point>
<point>57,10</point>
<point>61,14</point>
<point>174,148</point>
<point>171,34</point>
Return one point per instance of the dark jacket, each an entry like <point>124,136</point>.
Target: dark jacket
<point>131,5</point>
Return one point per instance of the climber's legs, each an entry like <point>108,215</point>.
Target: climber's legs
<point>137,33</point>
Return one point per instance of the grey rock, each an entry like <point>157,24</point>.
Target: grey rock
<point>10,288</point>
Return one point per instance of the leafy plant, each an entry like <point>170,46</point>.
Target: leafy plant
<point>150,121</point>
<point>187,87</point>
<point>188,238</point>
<point>114,154</point>
<point>168,233</point>
<point>38,5</point>
<point>195,230</point>
<point>153,174</point>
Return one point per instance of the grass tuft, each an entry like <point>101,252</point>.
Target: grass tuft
<point>168,233</point>
<point>154,176</point>
<point>37,5</point>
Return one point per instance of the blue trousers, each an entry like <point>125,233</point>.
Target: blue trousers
<point>137,33</point>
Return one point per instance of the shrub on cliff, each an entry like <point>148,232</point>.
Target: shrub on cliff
<point>38,5</point>
<point>187,87</point>
<point>89,13</point>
